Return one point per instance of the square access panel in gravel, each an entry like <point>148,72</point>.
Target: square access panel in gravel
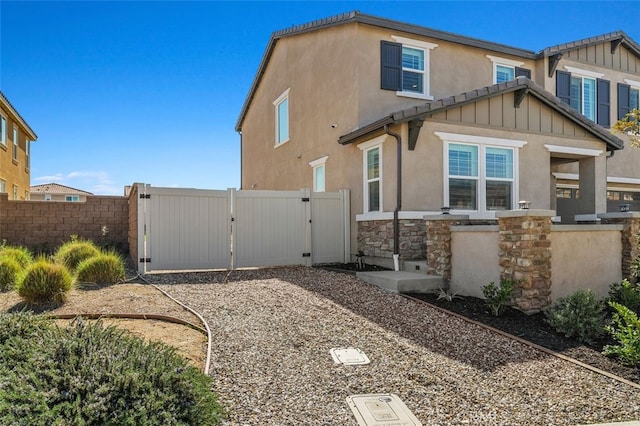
<point>381,409</point>
<point>349,356</point>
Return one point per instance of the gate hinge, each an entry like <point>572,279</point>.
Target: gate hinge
<point>145,260</point>
<point>305,199</point>
<point>306,254</point>
<point>145,195</point>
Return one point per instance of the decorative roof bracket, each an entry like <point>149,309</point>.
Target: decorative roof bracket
<point>518,96</point>
<point>414,131</point>
<point>615,44</point>
<point>553,63</point>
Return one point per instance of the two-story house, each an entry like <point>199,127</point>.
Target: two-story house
<point>412,120</point>
<point>15,154</point>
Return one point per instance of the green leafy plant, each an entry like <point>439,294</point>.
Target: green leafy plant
<point>9,271</point>
<point>496,297</point>
<point>626,331</point>
<point>626,294</point>
<point>579,315</point>
<point>105,268</point>
<point>44,282</point>
<point>21,255</point>
<point>447,295</point>
<point>91,375</point>
<point>71,253</point>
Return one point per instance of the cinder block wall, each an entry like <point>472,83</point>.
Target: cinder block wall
<point>133,224</point>
<point>43,225</point>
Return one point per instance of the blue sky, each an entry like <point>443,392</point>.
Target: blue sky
<point>123,92</point>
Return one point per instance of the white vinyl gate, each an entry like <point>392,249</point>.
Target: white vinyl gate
<point>196,229</point>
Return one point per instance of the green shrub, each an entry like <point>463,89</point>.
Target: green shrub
<point>92,375</point>
<point>71,253</point>
<point>626,294</point>
<point>9,270</point>
<point>626,331</point>
<point>578,316</point>
<point>44,282</point>
<point>21,255</point>
<point>496,297</point>
<point>105,268</point>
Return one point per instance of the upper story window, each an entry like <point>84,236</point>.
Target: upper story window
<point>586,93</point>
<point>282,118</point>
<point>404,67</point>
<point>628,97</point>
<point>507,69</point>
<point>15,144</point>
<point>27,152</point>
<point>481,173</point>
<point>318,167</point>
<point>72,198</point>
<point>3,131</point>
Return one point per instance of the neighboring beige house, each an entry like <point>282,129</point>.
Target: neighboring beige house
<point>412,120</point>
<point>15,153</point>
<point>57,192</point>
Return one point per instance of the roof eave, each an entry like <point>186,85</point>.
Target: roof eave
<point>28,130</point>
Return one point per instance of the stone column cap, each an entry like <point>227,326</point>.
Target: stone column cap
<point>525,213</point>
<point>619,215</point>
<point>454,217</point>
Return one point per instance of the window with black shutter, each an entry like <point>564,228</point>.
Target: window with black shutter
<point>523,72</point>
<point>624,105</point>
<point>604,103</point>
<point>563,86</point>
<point>390,65</point>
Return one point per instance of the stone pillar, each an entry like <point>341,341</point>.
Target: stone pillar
<point>525,256</point>
<point>630,237</point>
<point>439,243</point>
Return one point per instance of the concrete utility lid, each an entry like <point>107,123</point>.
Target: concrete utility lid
<point>381,409</point>
<point>349,356</point>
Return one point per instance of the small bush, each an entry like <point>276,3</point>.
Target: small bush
<point>9,270</point>
<point>496,297</point>
<point>626,331</point>
<point>105,268</point>
<point>44,282</point>
<point>578,316</point>
<point>92,375</point>
<point>71,253</point>
<point>626,294</point>
<point>19,254</point>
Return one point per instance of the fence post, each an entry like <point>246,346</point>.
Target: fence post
<point>346,220</point>
<point>306,211</point>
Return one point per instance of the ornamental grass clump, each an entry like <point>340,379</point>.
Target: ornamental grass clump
<point>580,316</point>
<point>21,255</point>
<point>71,253</point>
<point>91,375</point>
<point>9,272</point>
<point>104,268</point>
<point>44,282</point>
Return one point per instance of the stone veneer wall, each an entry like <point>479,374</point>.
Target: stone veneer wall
<point>375,238</point>
<point>438,246</point>
<point>630,236</point>
<point>525,255</point>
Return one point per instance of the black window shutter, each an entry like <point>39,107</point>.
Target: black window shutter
<point>604,103</point>
<point>523,72</point>
<point>624,97</point>
<point>563,86</point>
<point>390,65</point>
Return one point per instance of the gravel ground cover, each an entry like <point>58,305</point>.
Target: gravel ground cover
<point>273,330</point>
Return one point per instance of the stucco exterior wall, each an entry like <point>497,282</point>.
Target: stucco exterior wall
<point>585,257</point>
<point>474,259</point>
<point>12,171</point>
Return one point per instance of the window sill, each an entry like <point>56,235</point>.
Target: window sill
<point>15,162</point>
<point>415,95</point>
<point>3,146</point>
<point>278,145</point>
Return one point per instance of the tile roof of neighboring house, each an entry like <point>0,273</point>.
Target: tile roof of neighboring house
<point>56,188</point>
<point>5,102</point>
<point>520,83</point>
<point>617,36</point>
<point>362,18</point>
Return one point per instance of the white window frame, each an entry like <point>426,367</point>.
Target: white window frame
<point>319,164</point>
<point>27,195</point>
<point>365,148</point>
<point>592,75</point>
<point>482,142</point>
<point>3,186</point>
<point>509,63</point>
<point>426,47</point>
<point>635,85</point>
<point>14,153</point>
<point>279,100</point>
<point>27,152</point>
<point>15,192</point>
<point>3,130</point>
<point>72,198</point>
<point>47,197</point>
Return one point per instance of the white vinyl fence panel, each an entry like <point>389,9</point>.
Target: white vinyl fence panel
<point>194,229</point>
